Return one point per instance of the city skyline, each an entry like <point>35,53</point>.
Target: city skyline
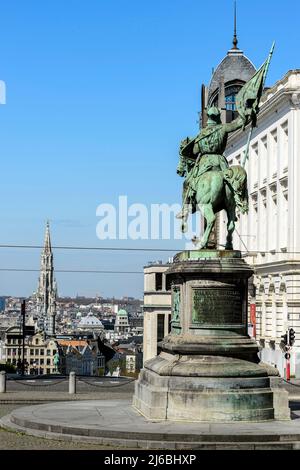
<point>95,89</point>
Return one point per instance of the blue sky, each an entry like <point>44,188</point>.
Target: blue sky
<point>99,94</point>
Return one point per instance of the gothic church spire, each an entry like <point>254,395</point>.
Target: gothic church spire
<point>47,293</point>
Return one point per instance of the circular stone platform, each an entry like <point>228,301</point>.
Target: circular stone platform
<point>117,423</point>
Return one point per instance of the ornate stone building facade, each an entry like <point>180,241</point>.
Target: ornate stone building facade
<point>270,233</point>
<point>47,291</point>
<point>39,352</point>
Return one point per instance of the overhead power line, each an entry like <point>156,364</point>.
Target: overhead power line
<point>91,271</point>
<point>91,248</point>
<point>104,248</point>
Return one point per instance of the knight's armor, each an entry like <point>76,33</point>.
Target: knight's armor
<point>205,153</point>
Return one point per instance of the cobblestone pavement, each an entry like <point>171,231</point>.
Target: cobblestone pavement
<point>18,395</point>
<point>15,399</point>
<point>18,441</point>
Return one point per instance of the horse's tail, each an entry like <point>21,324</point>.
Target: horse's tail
<point>236,178</point>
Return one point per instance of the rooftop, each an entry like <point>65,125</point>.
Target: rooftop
<point>235,65</point>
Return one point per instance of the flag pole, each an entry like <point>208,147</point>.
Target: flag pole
<point>246,151</point>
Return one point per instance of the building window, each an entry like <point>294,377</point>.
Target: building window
<point>230,102</point>
<point>31,352</point>
<point>168,283</point>
<point>160,326</point>
<point>263,160</point>
<point>48,362</point>
<point>284,137</point>
<point>169,322</point>
<point>36,341</point>
<point>41,362</point>
<point>41,352</point>
<point>158,281</point>
<point>273,153</point>
<point>253,162</point>
<point>48,352</point>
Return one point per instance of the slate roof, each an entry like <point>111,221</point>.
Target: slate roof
<point>234,66</point>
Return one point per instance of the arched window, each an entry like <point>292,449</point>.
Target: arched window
<point>230,101</point>
<point>231,90</point>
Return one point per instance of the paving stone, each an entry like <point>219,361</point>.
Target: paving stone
<point>116,423</point>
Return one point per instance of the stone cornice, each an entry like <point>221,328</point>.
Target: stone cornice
<point>280,267</point>
<point>152,307</point>
<point>157,292</point>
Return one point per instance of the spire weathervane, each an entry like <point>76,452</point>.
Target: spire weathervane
<point>235,40</point>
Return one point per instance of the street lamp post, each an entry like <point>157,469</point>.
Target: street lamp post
<point>23,309</point>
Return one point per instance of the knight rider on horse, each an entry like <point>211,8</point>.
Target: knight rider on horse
<point>205,153</point>
<point>210,184</point>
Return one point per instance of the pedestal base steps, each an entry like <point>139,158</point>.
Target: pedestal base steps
<point>208,369</point>
<point>117,424</point>
<point>207,389</point>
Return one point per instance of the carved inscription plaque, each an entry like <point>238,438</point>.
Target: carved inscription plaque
<point>217,305</point>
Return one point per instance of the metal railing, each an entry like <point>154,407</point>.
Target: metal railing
<point>73,380</point>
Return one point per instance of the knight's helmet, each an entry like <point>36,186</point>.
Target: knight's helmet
<point>214,115</point>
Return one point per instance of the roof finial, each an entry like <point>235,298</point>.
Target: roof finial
<point>235,41</point>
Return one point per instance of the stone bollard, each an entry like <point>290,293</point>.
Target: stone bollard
<point>2,381</point>
<point>72,383</point>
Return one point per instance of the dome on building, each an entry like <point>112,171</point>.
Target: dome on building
<point>90,321</point>
<point>122,313</point>
<point>234,69</point>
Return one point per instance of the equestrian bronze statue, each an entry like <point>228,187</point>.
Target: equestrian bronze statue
<point>211,185</point>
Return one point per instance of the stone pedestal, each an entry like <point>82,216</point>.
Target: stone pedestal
<point>208,369</point>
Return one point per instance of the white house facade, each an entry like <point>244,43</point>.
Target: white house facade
<point>269,234</point>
